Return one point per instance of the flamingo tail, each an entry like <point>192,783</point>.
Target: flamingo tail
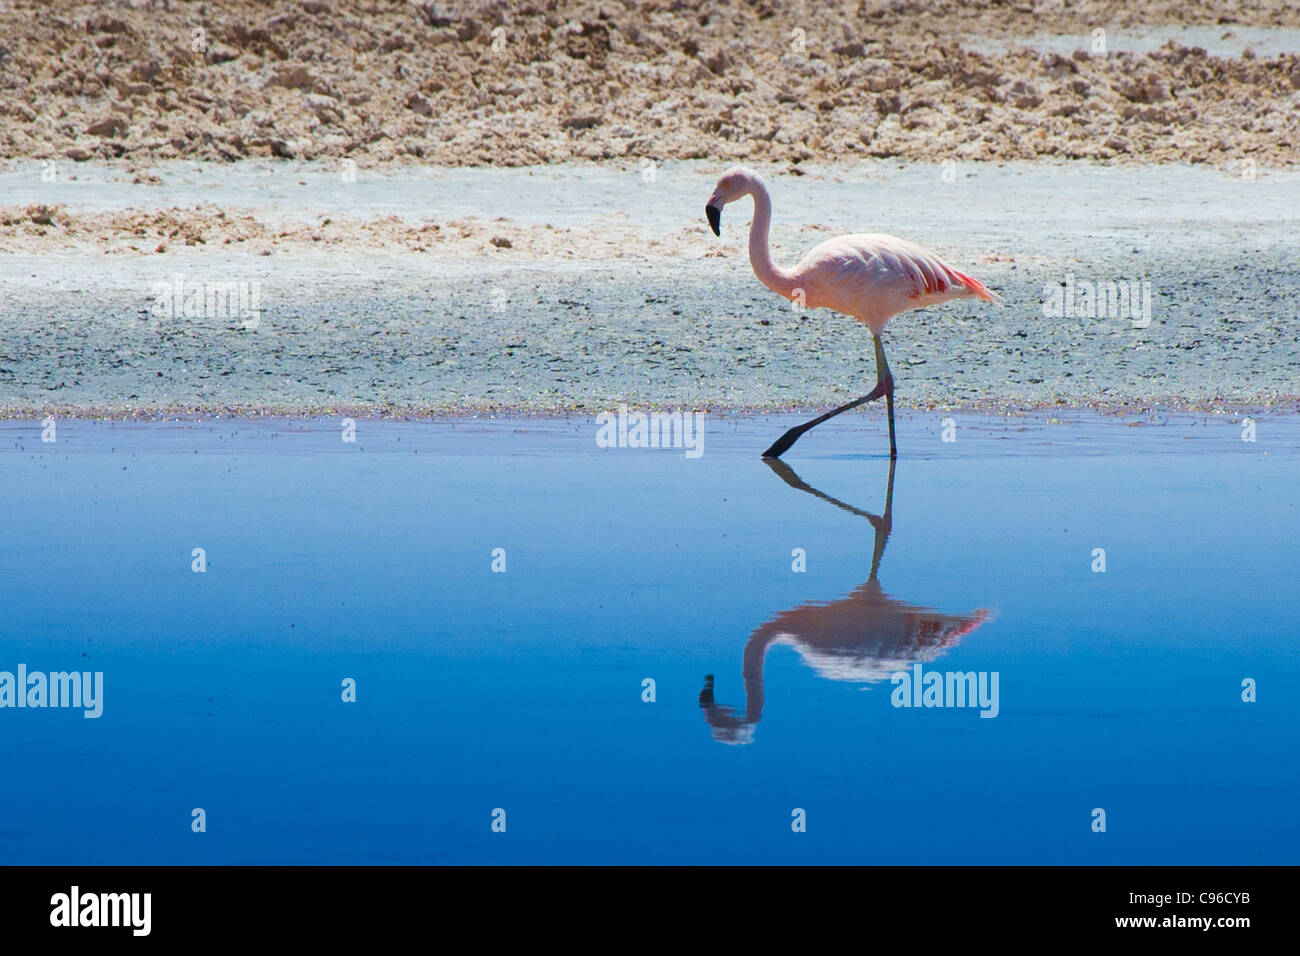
<point>977,287</point>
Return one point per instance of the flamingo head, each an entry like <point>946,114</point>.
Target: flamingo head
<point>734,183</point>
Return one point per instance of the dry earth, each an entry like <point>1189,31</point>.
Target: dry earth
<point>471,82</point>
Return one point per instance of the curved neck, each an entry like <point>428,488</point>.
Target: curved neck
<point>760,256</point>
<point>756,648</point>
<point>729,725</point>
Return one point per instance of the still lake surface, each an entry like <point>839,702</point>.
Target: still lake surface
<point>523,690</point>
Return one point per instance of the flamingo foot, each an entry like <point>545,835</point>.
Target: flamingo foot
<point>784,443</point>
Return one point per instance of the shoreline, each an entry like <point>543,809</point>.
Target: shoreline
<point>1283,406</point>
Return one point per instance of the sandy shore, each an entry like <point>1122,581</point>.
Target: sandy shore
<point>597,288</point>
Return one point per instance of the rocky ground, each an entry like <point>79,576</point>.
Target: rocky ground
<point>475,82</point>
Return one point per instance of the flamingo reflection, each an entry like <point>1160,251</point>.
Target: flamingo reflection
<point>863,637</point>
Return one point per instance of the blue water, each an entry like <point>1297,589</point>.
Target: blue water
<point>522,690</point>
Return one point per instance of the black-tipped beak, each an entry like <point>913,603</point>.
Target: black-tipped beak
<point>714,214</point>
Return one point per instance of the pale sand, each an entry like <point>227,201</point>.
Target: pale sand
<point>613,290</point>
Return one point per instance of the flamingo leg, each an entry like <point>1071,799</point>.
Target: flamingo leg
<point>884,377</point>
<point>884,386</point>
<point>782,444</point>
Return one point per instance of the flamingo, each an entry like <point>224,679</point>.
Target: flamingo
<point>870,277</point>
<point>864,637</point>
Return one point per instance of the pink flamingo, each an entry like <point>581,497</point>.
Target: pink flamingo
<point>865,636</point>
<point>871,277</point>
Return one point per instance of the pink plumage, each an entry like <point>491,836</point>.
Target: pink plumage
<point>870,276</point>
<point>873,277</point>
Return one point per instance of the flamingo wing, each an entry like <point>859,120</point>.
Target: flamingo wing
<point>874,276</point>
